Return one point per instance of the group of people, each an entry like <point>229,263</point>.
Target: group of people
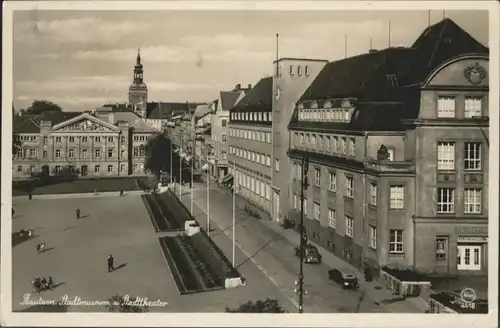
<point>25,233</point>
<point>41,284</point>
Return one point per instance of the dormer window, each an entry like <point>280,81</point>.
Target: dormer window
<point>300,106</point>
<point>314,105</point>
<point>327,104</point>
<point>392,80</point>
<point>291,70</point>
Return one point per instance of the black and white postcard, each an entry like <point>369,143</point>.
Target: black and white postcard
<point>196,163</point>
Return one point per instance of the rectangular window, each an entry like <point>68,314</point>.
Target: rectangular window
<point>58,153</point>
<point>290,70</point>
<point>58,139</point>
<point>71,153</point>
<point>373,237</point>
<point>45,140</point>
<point>296,202</point>
<point>277,165</point>
<point>122,140</point>
<point>396,241</point>
<point>349,226</point>
<point>32,153</point>
<point>397,197</point>
<point>97,153</point>
<point>472,201</point>
<point>97,168</point>
<point>263,189</point>
<point>344,146</point>
<point>71,139</point>
<point>58,168</point>
<point>349,187</point>
<point>441,248</point>
<point>332,181</point>
<point>472,106</point>
<point>352,147</point>
<point>111,139</point>
<point>84,153</point>
<point>305,206</point>
<point>122,168</point>
<point>446,156</point>
<point>445,200</point>
<point>45,154</point>
<point>268,192</point>
<point>472,156</point>
<point>306,70</point>
<point>224,123</point>
<point>19,168</point>
<point>110,152</point>
<point>110,168</point>
<point>373,193</point>
<point>84,139</point>
<point>446,107</point>
<point>97,139</point>
<point>332,218</point>
<point>317,211</point>
<point>224,137</point>
<point>268,137</point>
<point>317,177</point>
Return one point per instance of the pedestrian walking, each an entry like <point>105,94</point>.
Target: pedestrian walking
<point>50,283</point>
<point>121,192</point>
<point>77,213</point>
<point>110,263</point>
<point>30,195</point>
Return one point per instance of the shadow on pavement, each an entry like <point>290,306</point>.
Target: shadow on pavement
<point>120,266</point>
<point>48,249</point>
<point>17,239</point>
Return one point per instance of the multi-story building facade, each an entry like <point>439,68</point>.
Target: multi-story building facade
<point>250,144</point>
<point>104,142</point>
<point>292,76</point>
<point>397,141</point>
<point>220,128</point>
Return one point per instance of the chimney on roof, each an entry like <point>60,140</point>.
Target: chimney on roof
<point>237,87</point>
<point>249,86</point>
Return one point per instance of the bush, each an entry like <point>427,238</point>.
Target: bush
<point>269,305</point>
<point>406,274</point>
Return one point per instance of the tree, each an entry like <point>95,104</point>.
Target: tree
<point>16,144</point>
<point>40,106</point>
<point>125,304</point>
<point>269,305</point>
<point>157,155</point>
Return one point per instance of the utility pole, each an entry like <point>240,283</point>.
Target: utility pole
<point>303,185</point>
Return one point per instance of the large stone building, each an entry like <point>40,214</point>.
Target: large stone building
<point>220,128</point>
<point>397,141</point>
<point>105,142</point>
<point>250,144</point>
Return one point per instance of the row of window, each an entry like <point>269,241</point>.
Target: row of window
<point>298,69</point>
<point>446,156</point>
<point>251,134</point>
<point>326,114</point>
<point>251,116</point>
<point>255,185</point>
<point>25,138</point>
<point>326,143</point>
<point>84,139</point>
<point>251,155</point>
<point>446,107</point>
<point>32,153</point>
<point>446,200</point>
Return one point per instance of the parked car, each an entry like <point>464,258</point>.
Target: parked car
<point>345,279</point>
<point>311,254</point>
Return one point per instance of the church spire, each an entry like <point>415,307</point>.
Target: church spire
<point>139,56</point>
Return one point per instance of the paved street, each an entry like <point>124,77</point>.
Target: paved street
<point>271,250</point>
<point>77,251</point>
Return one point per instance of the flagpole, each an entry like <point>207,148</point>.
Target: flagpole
<point>180,172</point>
<point>193,141</point>
<point>208,199</point>
<point>234,213</point>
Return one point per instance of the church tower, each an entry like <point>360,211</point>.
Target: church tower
<point>138,91</point>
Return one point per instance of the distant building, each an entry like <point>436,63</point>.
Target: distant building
<point>250,144</point>
<point>106,142</point>
<point>398,146</point>
<point>138,91</point>
<point>220,128</point>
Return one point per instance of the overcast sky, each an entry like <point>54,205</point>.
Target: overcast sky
<point>83,59</point>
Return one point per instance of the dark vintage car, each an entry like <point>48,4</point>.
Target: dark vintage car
<point>311,254</point>
<point>345,279</point>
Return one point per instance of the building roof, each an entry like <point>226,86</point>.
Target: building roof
<point>258,99</point>
<point>164,110</point>
<point>24,124</point>
<point>55,117</point>
<point>228,99</point>
<point>142,127</point>
<point>391,75</point>
<point>387,118</point>
<point>201,110</point>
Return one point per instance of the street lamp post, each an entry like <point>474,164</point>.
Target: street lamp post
<point>234,213</point>
<point>303,185</point>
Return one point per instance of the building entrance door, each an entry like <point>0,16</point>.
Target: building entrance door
<point>45,170</point>
<point>468,257</point>
<point>84,170</point>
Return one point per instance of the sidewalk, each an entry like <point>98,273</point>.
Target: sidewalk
<point>253,232</point>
